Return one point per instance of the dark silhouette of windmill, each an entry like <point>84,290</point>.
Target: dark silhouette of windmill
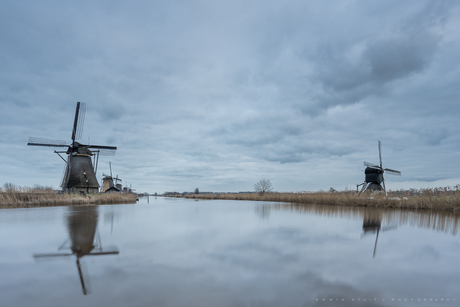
<point>374,178</point>
<point>84,240</point>
<point>80,172</point>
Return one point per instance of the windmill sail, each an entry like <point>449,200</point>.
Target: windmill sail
<point>33,141</point>
<point>392,172</point>
<point>370,164</point>
<point>81,121</point>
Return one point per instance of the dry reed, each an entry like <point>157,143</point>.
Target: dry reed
<point>25,197</point>
<point>444,199</point>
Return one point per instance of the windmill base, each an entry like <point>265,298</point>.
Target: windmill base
<point>84,190</point>
<point>371,186</point>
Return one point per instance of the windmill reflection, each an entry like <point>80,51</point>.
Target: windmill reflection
<point>263,211</point>
<point>372,223</point>
<point>84,239</point>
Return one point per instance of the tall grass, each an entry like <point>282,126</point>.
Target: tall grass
<point>446,198</point>
<point>22,197</point>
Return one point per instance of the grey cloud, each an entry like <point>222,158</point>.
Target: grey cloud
<point>391,59</point>
<point>380,63</point>
<point>111,112</point>
<point>222,92</point>
<point>434,136</point>
<point>350,71</point>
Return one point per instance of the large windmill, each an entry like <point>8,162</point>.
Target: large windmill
<point>84,239</point>
<point>79,175</point>
<point>374,178</point>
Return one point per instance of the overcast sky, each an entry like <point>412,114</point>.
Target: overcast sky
<point>219,94</point>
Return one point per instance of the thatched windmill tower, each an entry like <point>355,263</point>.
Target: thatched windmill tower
<point>80,175</point>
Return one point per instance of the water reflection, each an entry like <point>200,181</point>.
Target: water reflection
<point>84,240</point>
<point>372,223</point>
<point>229,253</point>
<point>447,222</point>
<point>263,211</point>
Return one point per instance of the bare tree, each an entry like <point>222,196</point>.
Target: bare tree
<point>9,187</point>
<point>197,191</point>
<point>262,186</point>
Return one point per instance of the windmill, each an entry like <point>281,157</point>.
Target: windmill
<point>374,178</point>
<point>80,174</point>
<point>110,184</point>
<point>84,240</point>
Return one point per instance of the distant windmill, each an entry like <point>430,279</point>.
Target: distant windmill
<point>374,178</point>
<point>109,183</point>
<point>80,173</point>
<point>82,225</point>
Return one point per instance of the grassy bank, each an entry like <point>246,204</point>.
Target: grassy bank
<point>445,199</point>
<point>29,197</point>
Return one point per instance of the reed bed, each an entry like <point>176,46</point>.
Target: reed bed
<point>442,199</point>
<point>25,197</point>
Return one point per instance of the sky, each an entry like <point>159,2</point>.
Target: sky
<point>217,95</point>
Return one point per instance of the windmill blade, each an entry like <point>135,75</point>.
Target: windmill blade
<point>75,122</point>
<point>103,150</point>
<point>82,280</point>
<point>107,152</point>
<point>371,165</point>
<point>110,165</point>
<point>375,246</point>
<point>33,141</point>
<point>100,147</point>
<point>103,253</point>
<point>392,172</point>
<point>81,121</point>
<point>380,153</point>
<point>52,255</point>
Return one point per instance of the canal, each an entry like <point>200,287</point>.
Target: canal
<point>179,252</point>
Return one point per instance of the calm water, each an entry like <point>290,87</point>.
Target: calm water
<point>176,252</point>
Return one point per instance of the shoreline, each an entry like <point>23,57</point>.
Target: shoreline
<point>15,199</point>
<point>438,202</point>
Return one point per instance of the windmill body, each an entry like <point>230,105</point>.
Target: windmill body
<point>374,179</point>
<point>109,183</point>
<point>80,174</point>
